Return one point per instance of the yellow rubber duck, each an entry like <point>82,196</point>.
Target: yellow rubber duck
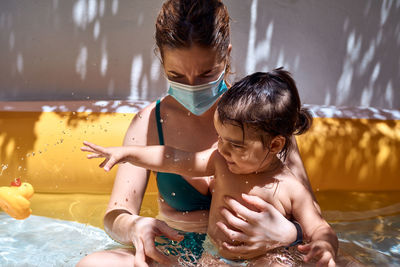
<point>14,199</point>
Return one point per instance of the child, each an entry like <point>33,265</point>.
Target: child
<point>254,121</point>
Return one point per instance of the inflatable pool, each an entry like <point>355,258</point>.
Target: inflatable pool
<point>352,156</point>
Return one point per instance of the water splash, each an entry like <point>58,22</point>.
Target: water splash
<point>3,168</point>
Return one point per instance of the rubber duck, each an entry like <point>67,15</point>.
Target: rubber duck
<point>14,199</point>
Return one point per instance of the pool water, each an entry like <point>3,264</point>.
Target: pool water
<point>369,235</point>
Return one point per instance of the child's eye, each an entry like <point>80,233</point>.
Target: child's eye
<point>237,146</point>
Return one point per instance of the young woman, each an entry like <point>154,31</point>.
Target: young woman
<point>193,40</point>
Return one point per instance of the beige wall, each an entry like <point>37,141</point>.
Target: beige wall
<point>343,53</point>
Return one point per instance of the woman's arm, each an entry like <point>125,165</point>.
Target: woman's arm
<point>295,164</point>
<point>122,221</point>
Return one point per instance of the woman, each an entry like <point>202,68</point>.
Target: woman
<point>193,40</point>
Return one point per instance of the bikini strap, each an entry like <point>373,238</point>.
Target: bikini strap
<point>158,121</point>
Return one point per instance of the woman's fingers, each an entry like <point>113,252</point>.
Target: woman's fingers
<point>233,220</point>
<point>240,210</point>
<point>140,257</point>
<point>152,252</point>
<point>231,234</point>
<point>167,231</point>
<point>241,250</point>
<point>259,203</point>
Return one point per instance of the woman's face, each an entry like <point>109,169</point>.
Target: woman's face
<point>192,66</point>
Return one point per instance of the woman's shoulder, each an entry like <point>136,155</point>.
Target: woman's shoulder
<point>141,129</point>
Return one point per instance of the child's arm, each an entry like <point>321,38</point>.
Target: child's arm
<point>324,242</point>
<point>157,158</point>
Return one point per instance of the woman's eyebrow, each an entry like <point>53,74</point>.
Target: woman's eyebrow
<point>207,71</point>
<point>174,73</point>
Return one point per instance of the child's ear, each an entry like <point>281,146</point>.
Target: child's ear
<point>277,143</point>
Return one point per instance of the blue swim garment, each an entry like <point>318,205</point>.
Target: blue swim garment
<point>173,188</point>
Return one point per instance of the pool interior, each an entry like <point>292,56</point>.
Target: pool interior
<point>360,198</point>
<point>66,227</point>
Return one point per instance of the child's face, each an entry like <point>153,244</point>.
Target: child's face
<point>243,156</point>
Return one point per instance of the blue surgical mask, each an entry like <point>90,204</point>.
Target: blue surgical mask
<point>198,98</point>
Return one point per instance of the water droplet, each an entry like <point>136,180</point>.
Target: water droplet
<point>140,116</point>
<point>33,154</point>
<point>247,182</point>
<point>161,120</point>
<point>19,168</point>
<point>162,200</point>
<point>87,97</point>
<point>176,159</point>
<point>189,113</point>
<point>167,156</point>
<point>173,194</point>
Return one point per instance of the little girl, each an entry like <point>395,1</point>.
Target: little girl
<point>254,121</point>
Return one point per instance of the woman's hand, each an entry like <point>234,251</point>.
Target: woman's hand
<point>143,233</point>
<point>260,228</point>
<point>112,155</point>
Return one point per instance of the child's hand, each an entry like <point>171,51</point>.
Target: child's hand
<point>319,250</point>
<point>112,155</point>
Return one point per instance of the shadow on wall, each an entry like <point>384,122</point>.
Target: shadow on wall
<point>357,154</point>
<point>342,53</point>
<point>15,144</point>
<point>77,50</point>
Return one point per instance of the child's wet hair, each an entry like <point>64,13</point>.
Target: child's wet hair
<point>268,102</point>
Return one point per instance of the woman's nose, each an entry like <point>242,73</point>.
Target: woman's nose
<point>191,79</point>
